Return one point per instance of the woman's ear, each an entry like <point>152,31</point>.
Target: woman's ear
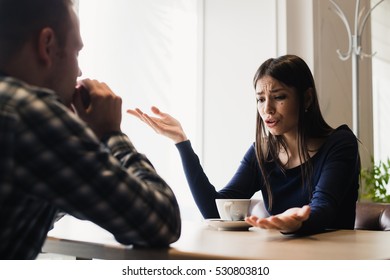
<point>308,98</point>
<point>46,46</point>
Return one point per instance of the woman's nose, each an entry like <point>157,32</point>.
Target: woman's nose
<point>269,107</point>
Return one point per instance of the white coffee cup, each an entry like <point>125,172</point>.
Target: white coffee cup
<point>233,209</point>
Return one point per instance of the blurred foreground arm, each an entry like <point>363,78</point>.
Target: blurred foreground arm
<point>98,174</point>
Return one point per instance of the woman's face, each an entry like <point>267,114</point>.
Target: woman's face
<point>278,106</point>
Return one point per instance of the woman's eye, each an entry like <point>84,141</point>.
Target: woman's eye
<point>280,97</point>
<point>260,100</point>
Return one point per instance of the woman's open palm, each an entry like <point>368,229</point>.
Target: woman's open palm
<point>288,221</point>
<point>163,123</point>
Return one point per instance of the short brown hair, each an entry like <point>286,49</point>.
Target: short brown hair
<point>21,20</point>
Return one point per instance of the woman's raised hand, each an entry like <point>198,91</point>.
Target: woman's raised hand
<point>163,124</point>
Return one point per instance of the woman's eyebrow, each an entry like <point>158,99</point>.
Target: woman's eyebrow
<point>275,90</point>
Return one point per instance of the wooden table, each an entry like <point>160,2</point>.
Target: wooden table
<point>84,239</point>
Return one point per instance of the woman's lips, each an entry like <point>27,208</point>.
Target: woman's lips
<point>271,123</point>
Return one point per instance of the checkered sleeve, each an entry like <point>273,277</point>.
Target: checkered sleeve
<point>108,183</point>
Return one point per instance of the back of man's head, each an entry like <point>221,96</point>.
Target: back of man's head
<point>22,20</point>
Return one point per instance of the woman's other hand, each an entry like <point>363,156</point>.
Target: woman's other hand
<point>163,124</point>
<point>289,221</point>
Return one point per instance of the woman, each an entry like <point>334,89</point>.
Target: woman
<point>307,171</point>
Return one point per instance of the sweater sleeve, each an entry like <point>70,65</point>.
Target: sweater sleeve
<point>243,184</point>
<point>336,186</point>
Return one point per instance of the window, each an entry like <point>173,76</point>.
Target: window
<point>380,78</point>
<point>147,52</point>
<point>380,81</point>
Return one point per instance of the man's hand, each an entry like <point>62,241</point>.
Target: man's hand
<point>101,109</point>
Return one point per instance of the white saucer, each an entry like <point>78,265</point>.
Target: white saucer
<point>228,225</point>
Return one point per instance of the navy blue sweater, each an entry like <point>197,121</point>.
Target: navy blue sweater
<point>336,168</point>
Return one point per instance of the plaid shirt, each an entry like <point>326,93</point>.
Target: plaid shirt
<point>50,160</point>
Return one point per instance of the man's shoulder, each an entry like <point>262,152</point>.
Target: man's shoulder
<point>14,91</point>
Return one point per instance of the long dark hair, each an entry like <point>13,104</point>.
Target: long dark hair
<point>293,72</point>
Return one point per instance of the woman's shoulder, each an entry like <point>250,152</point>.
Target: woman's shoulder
<point>343,132</point>
<point>343,128</point>
<point>341,136</point>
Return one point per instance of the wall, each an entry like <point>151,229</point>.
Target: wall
<point>312,30</point>
<point>334,76</point>
<point>295,29</point>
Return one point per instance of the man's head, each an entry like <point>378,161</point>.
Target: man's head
<point>39,43</point>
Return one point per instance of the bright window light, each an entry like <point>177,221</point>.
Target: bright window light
<point>148,52</point>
